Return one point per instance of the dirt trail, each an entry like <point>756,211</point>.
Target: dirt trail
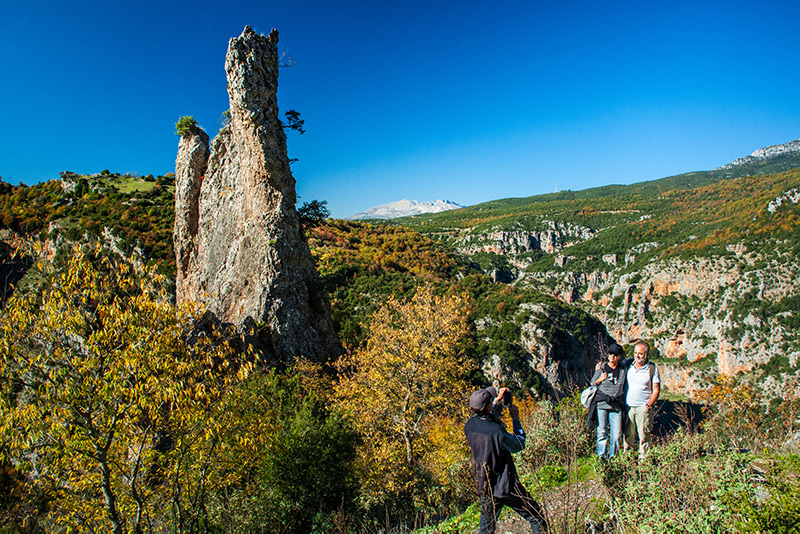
<point>563,506</point>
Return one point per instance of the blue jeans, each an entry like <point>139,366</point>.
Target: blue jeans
<point>609,432</point>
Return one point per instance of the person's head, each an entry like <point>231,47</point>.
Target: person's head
<point>481,401</point>
<point>641,351</point>
<point>615,353</point>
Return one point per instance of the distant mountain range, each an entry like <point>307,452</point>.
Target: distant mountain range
<point>775,158</point>
<point>405,208</point>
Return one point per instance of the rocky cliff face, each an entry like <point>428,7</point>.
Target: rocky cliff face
<point>239,246</point>
<point>719,314</point>
<point>514,242</point>
<point>708,275</point>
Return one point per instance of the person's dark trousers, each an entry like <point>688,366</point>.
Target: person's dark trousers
<point>520,501</point>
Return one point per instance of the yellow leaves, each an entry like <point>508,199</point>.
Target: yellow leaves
<point>408,371</point>
<point>244,371</point>
<point>734,409</point>
<point>726,391</point>
<point>378,248</point>
<point>445,445</point>
<point>102,363</point>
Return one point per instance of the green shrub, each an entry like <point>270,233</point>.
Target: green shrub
<point>779,510</point>
<point>305,480</point>
<point>548,476</point>
<point>466,522</point>
<point>678,487</point>
<point>557,434</point>
<point>184,125</point>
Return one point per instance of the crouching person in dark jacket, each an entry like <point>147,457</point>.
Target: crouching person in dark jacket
<point>492,465</point>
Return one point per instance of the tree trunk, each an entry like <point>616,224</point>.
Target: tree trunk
<point>108,494</point>
<point>409,455</point>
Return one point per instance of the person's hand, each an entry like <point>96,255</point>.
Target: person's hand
<point>598,366</point>
<point>500,395</point>
<point>602,377</point>
<point>513,411</point>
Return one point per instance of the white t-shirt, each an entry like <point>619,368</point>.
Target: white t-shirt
<point>639,387</point>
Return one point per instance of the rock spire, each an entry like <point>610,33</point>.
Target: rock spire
<point>240,250</point>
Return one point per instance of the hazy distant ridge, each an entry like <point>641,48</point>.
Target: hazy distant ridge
<point>405,208</point>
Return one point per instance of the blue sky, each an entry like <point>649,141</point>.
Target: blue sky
<point>467,101</point>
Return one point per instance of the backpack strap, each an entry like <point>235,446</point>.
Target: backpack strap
<point>629,362</point>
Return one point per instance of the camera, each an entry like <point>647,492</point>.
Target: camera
<point>507,398</point>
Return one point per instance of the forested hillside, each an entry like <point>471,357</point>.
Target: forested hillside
<point>138,211</point>
<point>124,412</point>
<point>708,273</point>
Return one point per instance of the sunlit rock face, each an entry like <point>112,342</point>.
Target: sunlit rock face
<point>240,250</point>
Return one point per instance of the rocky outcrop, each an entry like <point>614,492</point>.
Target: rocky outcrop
<point>190,168</point>
<point>557,343</point>
<point>722,314</point>
<point>793,196</point>
<point>240,250</point>
<point>513,242</point>
<point>792,147</point>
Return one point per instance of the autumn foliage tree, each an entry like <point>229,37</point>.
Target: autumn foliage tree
<point>105,405</point>
<point>405,390</point>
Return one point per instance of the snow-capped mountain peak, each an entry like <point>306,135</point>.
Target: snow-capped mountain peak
<point>405,208</point>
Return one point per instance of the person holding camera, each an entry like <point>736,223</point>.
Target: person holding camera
<point>492,465</point>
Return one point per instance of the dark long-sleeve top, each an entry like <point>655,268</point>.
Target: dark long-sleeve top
<point>493,467</point>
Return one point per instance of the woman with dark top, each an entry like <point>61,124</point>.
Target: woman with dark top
<point>610,381</point>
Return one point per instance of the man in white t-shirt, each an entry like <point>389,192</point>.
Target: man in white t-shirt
<point>643,384</point>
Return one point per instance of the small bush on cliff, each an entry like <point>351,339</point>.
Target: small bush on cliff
<point>184,125</point>
<point>294,122</point>
<point>313,213</point>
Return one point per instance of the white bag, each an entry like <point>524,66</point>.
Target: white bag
<point>587,395</point>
